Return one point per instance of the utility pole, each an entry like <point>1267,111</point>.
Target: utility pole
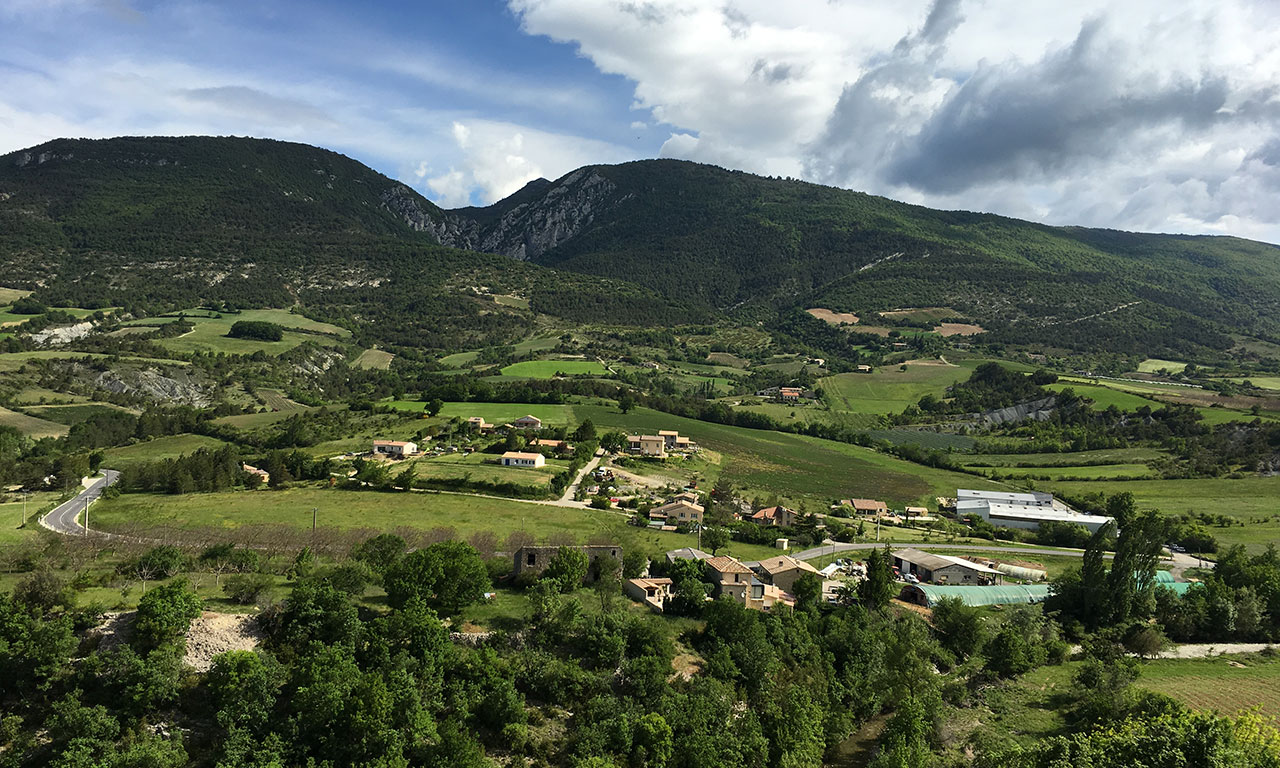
<point>86,515</point>
<point>24,509</point>
<point>313,519</point>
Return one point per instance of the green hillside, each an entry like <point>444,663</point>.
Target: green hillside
<point>169,223</point>
<point>734,240</point>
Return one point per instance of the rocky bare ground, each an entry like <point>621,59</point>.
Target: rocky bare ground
<point>210,635</point>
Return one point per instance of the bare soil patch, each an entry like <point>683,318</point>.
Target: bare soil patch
<point>215,633</point>
<point>834,318</point>
<point>959,329</point>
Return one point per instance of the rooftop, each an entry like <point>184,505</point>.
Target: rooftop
<point>521,455</point>
<point>784,563</point>
<point>726,564</point>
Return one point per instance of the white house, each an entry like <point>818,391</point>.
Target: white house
<point>520,459</point>
<point>527,422</point>
<point>394,448</point>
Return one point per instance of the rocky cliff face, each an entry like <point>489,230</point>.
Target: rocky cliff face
<point>446,229</point>
<point>527,228</point>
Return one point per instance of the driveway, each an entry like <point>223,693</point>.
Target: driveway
<point>63,517</point>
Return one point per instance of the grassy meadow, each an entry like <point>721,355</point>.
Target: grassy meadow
<point>546,369</point>
<point>210,333</point>
<point>30,425</point>
<point>374,359</point>
<point>466,515</point>
<point>1226,684</point>
<point>1254,501</point>
<point>796,468</point>
<point>170,447</point>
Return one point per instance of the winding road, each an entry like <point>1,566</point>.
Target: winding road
<point>63,518</point>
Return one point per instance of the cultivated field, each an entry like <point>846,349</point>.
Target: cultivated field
<point>170,447</point>
<point>483,467</point>
<point>386,511</point>
<point>374,358</point>
<point>795,467</point>
<point>1155,365</point>
<point>500,413</point>
<point>1227,684</point>
<point>890,390</point>
<point>31,426</point>
<point>546,369</point>
<point>464,359</point>
<point>72,413</point>
<point>1255,501</point>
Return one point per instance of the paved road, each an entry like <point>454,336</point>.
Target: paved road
<point>63,517</point>
<point>828,549</point>
<point>566,500</point>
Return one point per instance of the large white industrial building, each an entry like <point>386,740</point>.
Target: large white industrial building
<point>1022,510</point>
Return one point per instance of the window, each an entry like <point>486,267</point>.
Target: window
<point>532,558</point>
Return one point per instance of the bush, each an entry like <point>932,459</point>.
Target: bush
<point>447,576</point>
<point>567,569</point>
<point>43,590</point>
<point>246,588</point>
<point>352,577</point>
<point>165,613</point>
<point>256,329</point>
<point>162,561</point>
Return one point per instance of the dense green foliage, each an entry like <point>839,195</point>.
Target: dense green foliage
<point>256,329</point>
<point>730,237</point>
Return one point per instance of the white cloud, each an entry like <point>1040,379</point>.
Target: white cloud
<point>499,158</point>
<point>1143,114</point>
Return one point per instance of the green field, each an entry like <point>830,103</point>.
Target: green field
<point>484,467</point>
<point>71,414</point>
<point>795,467</point>
<point>12,361</point>
<point>170,447</point>
<point>30,425</point>
<point>11,506</point>
<point>7,317</point>
<point>889,390</point>
<point>276,401</point>
<point>1263,382</point>
<point>210,333</point>
<point>1076,473</point>
<point>1215,684</point>
<point>387,511</point>
<point>1155,365</point>
<point>464,359</point>
<point>374,358</point>
<point>498,413</point>
<point>33,396</point>
<point>1109,455</point>
<point>1252,500</point>
<point>1104,397</point>
<point>546,369</point>
<point>10,295</point>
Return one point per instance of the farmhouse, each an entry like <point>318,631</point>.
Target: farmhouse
<point>647,445</point>
<point>866,506</point>
<point>534,560</point>
<point>941,569</point>
<point>394,448</point>
<point>521,459</point>
<point>863,369</point>
<point>651,592</point>
<point>1022,510</point>
<point>479,424</point>
<point>261,474</point>
<point>774,516</point>
<point>730,577</point>
<point>527,422</point>
<point>790,394</point>
<point>783,571</point>
<point>678,510</point>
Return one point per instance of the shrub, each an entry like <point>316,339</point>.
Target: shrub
<point>246,588</point>
<point>165,613</point>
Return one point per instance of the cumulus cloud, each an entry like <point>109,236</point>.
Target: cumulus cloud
<point>1149,114</point>
<point>499,158</point>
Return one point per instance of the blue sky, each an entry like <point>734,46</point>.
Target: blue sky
<point>1156,115</point>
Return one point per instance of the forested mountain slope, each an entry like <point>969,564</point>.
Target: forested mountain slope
<point>733,240</point>
<point>169,222</point>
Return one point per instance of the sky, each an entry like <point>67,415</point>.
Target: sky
<point>1151,115</point>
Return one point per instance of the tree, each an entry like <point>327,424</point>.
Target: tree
<point>959,627</point>
<point>634,564</point>
<point>652,744</point>
<point>447,576</point>
<point>380,552</point>
<point>434,406</point>
<point>626,401</point>
<point>404,480</point>
<point>244,686</point>
<point>878,588</point>
<point>613,441</point>
<point>165,613</point>
<point>715,538</point>
<point>43,590</point>
<point>585,431</point>
<point>807,590</point>
<point>567,569</point>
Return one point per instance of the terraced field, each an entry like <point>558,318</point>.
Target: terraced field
<point>1226,684</point>
<point>375,359</point>
<point>210,332</point>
